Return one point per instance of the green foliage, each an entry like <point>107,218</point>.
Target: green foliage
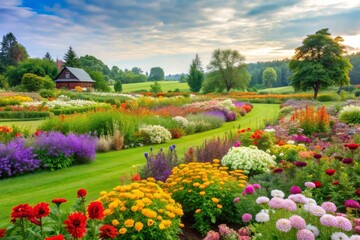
<point>3,83</point>
<point>156,74</point>
<point>357,93</point>
<point>350,114</point>
<point>71,110</point>
<point>32,82</point>
<point>47,56</point>
<point>328,97</point>
<point>47,93</point>
<point>100,83</point>
<point>319,63</point>
<point>118,86</point>
<point>91,63</point>
<point>23,114</point>
<point>269,77</point>
<point>11,52</point>
<point>130,77</point>
<point>156,87</point>
<point>227,71</point>
<point>36,66</point>
<point>196,75</point>
<point>202,122</point>
<point>71,59</point>
<point>54,162</point>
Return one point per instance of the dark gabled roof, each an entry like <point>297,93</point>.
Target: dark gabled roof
<point>80,74</point>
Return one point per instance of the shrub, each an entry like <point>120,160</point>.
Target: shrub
<point>357,93</point>
<point>249,159</point>
<point>16,158</point>
<point>328,97</point>
<point>104,143</point>
<point>202,122</point>
<point>215,148</point>
<point>23,114</point>
<point>206,192</point>
<point>177,132</point>
<point>142,210</point>
<point>46,93</point>
<point>350,114</point>
<point>32,82</point>
<point>155,134</point>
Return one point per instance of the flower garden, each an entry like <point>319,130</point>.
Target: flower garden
<point>292,177</point>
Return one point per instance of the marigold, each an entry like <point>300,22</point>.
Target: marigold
<point>115,222</point>
<point>122,231</point>
<point>96,210</point>
<point>161,226</point>
<point>150,222</point>
<point>197,210</point>
<point>129,223</point>
<point>75,224</point>
<point>215,200</point>
<point>138,226</point>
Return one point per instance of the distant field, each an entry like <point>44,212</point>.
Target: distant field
<point>165,86</point>
<point>279,90</point>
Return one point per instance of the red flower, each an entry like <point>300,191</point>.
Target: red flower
<point>330,172</point>
<point>347,160</point>
<point>41,210</point>
<point>357,192</point>
<point>96,210</point>
<point>22,211</point>
<point>335,183</point>
<point>136,177</point>
<point>18,135</point>
<point>58,201</point>
<point>317,183</point>
<point>38,132</point>
<point>75,224</point>
<point>57,237</point>
<point>2,232</point>
<point>278,170</point>
<point>108,231</point>
<point>317,156</point>
<point>81,192</point>
<point>300,164</point>
<point>352,146</point>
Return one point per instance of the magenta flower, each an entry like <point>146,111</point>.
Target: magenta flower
<point>249,189</point>
<point>237,144</point>
<point>256,186</point>
<point>295,190</point>
<point>246,217</point>
<point>351,204</point>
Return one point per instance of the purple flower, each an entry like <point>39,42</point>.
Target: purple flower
<point>295,190</point>
<point>237,144</point>
<point>216,113</point>
<point>246,217</point>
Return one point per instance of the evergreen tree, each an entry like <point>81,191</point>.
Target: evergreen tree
<point>71,59</point>
<point>118,86</point>
<point>11,52</point>
<point>48,57</point>
<point>196,75</point>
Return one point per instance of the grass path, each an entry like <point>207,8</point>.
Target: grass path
<point>104,173</point>
<point>165,86</point>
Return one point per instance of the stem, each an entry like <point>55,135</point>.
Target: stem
<point>23,228</point>
<point>93,229</point>
<point>59,217</point>
<point>41,229</point>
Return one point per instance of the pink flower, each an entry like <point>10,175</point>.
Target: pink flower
<point>351,204</point>
<point>237,144</point>
<point>295,190</point>
<point>328,220</point>
<point>246,217</point>
<point>298,198</point>
<point>283,225</point>
<point>256,186</point>
<point>276,202</point>
<point>329,207</point>
<point>344,223</point>
<point>310,185</point>
<point>236,200</point>
<point>357,229</point>
<point>305,234</point>
<point>297,222</point>
<point>357,221</point>
<point>249,189</point>
<point>212,235</point>
<point>289,205</point>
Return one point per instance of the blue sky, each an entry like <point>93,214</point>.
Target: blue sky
<point>168,33</point>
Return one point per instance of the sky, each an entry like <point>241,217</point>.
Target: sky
<point>168,33</point>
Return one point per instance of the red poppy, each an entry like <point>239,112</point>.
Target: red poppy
<point>330,172</point>
<point>75,224</point>
<point>18,135</point>
<point>108,231</point>
<point>57,237</point>
<point>347,160</point>
<point>58,201</point>
<point>22,211</point>
<point>96,210</point>
<point>278,170</point>
<point>317,156</point>
<point>2,232</point>
<point>41,210</point>
<point>357,192</point>
<point>352,146</point>
<point>81,192</point>
<point>317,183</point>
<point>335,183</point>
<point>136,177</point>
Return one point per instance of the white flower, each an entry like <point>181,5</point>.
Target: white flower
<point>313,229</point>
<point>262,217</point>
<point>301,145</point>
<point>291,142</point>
<point>355,237</point>
<point>270,130</point>
<point>156,133</point>
<point>262,200</point>
<point>277,193</point>
<point>339,236</point>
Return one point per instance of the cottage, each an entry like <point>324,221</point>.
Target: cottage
<point>70,77</point>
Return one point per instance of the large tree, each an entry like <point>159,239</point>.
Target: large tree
<point>269,77</point>
<point>71,59</point>
<point>227,70</point>
<point>319,63</point>
<point>11,52</point>
<point>196,75</point>
<point>156,74</point>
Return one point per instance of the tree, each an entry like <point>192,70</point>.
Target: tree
<point>137,70</point>
<point>183,78</point>
<point>11,52</point>
<point>155,88</point>
<point>47,56</point>
<point>156,74</point>
<point>18,54</point>
<point>196,75</point>
<point>319,63</point>
<point>269,77</point>
<point>118,86</point>
<point>100,83</point>
<point>71,59</point>
<point>91,63</point>
<point>227,71</point>
<point>36,66</point>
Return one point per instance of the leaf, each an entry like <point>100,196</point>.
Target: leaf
<point>213,219</point>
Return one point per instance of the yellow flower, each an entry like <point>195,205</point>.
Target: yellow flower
<point>123,209</point>
<point>115,222</point>
<point>139,226</point>
<point>202,193</point>
<point>197,210</point>
<point>129,222</point>
<point>182,225</point>
<point>122,230</point>
<point>161,226</point>
<point>215,200</point>
<point>150,222</point>
<point>219,206</point>
<point>159,218</point>
<point>134,208</point>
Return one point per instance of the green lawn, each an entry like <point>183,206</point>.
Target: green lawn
<point>31,125</point>
<point>165,86</point>
<point>105,172</point>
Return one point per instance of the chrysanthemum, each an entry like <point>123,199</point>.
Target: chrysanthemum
<point>305,234</point>
<point>262,200</point>
<point>246,217</point>
<point>289,205</point>
<point>298,198</point>
<point>355,237</point>
<point>328,220</point>
<point>283,225</point>
<point>75,224</point>
<point>339,236</point>
<point>297,222</point>
<point>276,202</point>
<point>351,204</point>
<point>41,210</point>
<point>313,229</point>
<point>329,207</point>
<point>316,210</point>
<point>262,217</point>
<point>344,223</point>
<point>295,190</point>
<point>310,185</point>
<point>108,231</point>
<point>277,193</point>
<point>96,210</point>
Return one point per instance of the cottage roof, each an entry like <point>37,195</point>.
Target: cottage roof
<point>80,75</point>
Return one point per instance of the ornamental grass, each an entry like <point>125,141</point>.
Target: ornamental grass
<point>142,210</point>
<point>206,192</point>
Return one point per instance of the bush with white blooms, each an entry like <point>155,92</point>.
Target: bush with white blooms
<point>249,159</point>
<point>155,134</point>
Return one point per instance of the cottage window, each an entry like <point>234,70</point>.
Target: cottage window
<point>67,75</point>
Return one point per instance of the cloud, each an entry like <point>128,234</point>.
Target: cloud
<point>150,32</point>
